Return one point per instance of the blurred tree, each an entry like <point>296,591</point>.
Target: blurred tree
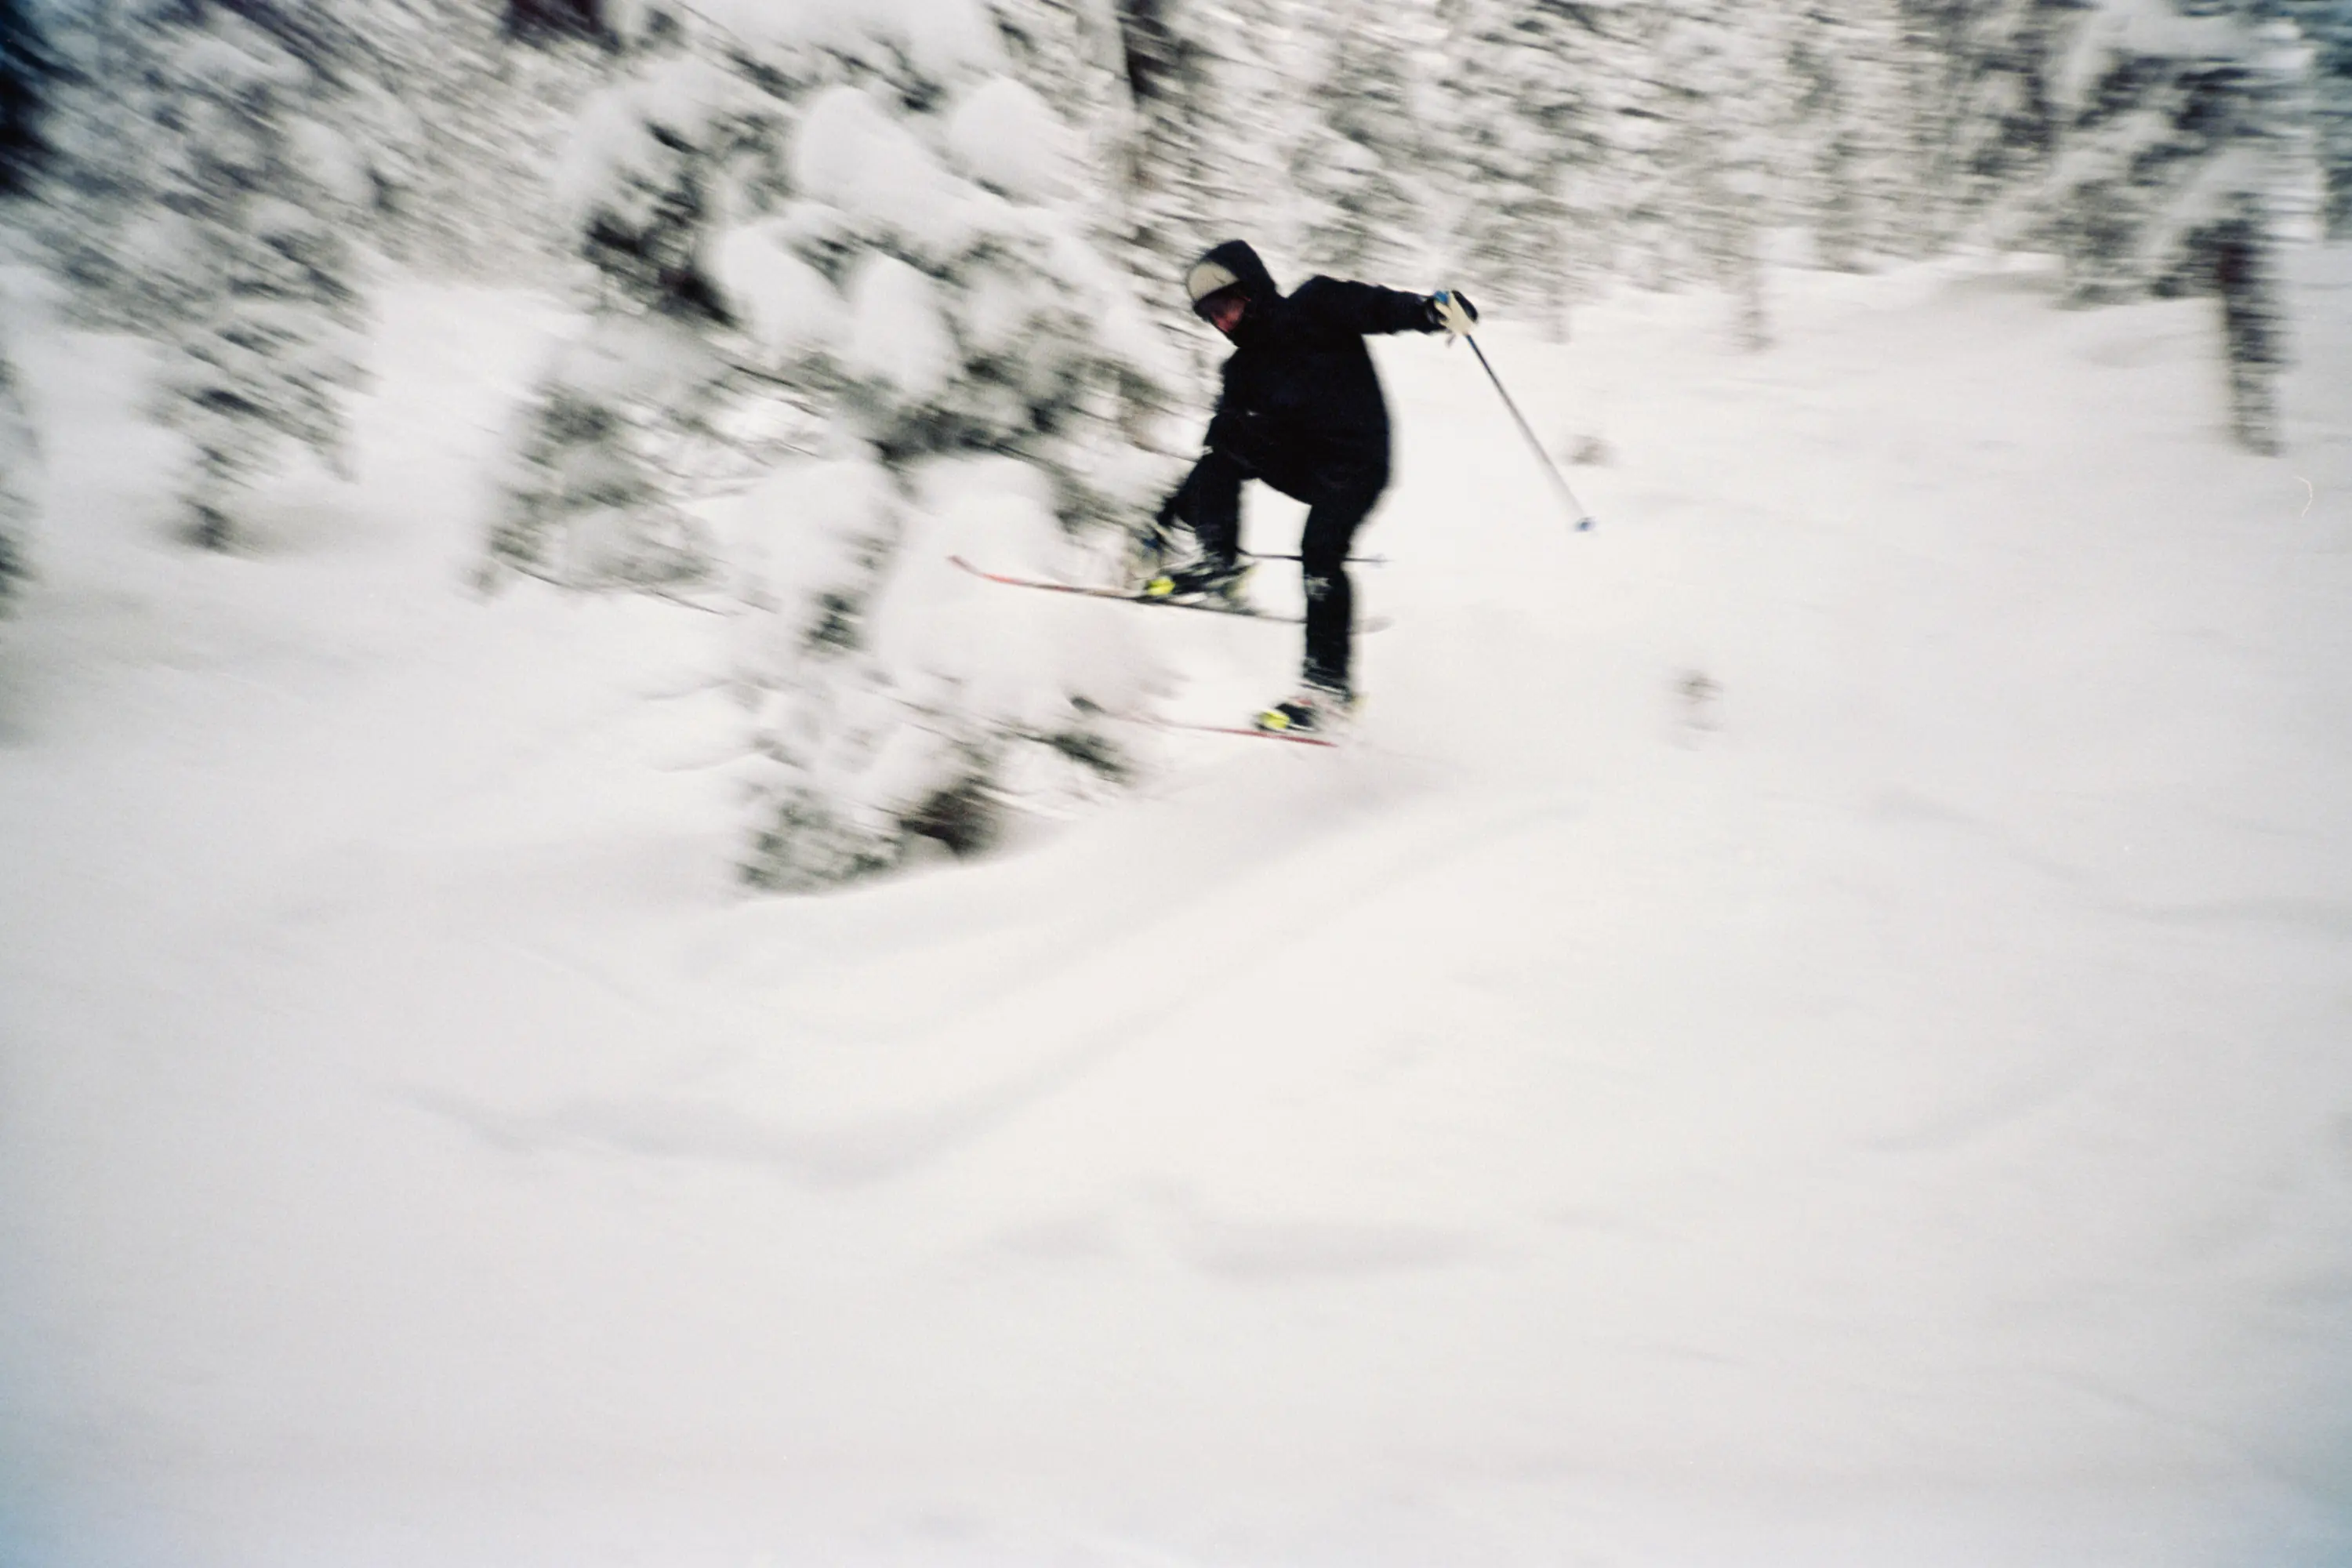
<point>557,18</point>
<point>586,500</point>
<point>443,125</point>
<point>2327,26</point>
<point>1984,122</point>
<point>128,186</point>
<point>2239,251</point>
<point>474,118</point>
<point>1588,141</point>
<point>255,197</point>
<point>2162,120</point>
<point>1351,166</point>
<point>1177,165</point>
<point>1719,103</point>
<point>1528,112</point>
<point>2172,135</point>
<point>1267,60</point>
<point>27,66</point>
<point>19,462</point>
<point>212,163</point>
<point>1855,162</point>
<point>225,168</point>
<point>1073,54</point>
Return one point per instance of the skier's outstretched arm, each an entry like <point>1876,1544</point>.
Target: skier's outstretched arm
<point>1366,309</point>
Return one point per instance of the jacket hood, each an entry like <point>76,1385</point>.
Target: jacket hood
<point>1223,266</point>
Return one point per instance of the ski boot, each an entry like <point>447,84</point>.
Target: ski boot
<point>1318,710</point>
<point>1205,581</point>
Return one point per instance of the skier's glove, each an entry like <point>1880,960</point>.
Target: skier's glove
<point>1451,311</point>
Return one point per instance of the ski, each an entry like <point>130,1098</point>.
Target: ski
<point>1248,730</point>
<point>1050,585</point>
<point>1333,742</point>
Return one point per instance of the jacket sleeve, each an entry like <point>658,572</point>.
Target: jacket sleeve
<point>1361,308</point>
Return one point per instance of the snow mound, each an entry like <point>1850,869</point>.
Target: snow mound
<point>849,153</point>
<point>631,138</point>
<point>1009,139</point>
<point>802,541</point>
<point>898,333</point>
<point>788,305</point>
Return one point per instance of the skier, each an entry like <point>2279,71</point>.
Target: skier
<point>1301,409</point>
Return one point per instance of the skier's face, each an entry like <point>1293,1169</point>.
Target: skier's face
<point>1223,311</point>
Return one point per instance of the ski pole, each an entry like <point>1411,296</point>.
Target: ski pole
<point>1575,508</point>
<point>1279,555</point>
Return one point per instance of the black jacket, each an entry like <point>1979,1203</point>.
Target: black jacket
<point>1301,400</point>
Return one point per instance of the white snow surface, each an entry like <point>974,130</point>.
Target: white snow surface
<point>1809,1027</point>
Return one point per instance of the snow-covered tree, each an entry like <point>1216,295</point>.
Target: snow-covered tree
<point>864,234</point>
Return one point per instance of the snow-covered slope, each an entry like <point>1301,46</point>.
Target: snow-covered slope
<point>1809,1029</point>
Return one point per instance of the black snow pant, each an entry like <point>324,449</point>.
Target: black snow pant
<point>1339,494</point>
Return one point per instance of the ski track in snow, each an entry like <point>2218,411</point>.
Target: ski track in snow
<point>1808,1031</point>
<point>1080,1009</point>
